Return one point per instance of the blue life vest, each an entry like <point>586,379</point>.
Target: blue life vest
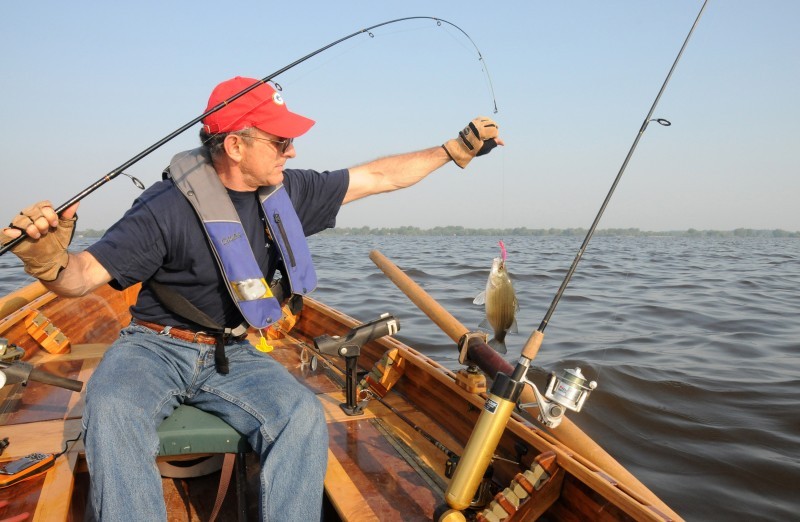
<point>194,175</point>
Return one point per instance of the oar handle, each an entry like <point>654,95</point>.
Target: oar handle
<point>437,313</point>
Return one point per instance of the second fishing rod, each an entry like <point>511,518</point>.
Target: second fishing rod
<point>568,390</point>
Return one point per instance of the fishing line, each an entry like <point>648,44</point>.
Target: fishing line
<point>357,45</point>
<point>135,159</point>
<point>484,67</point>
<point>502,189</point>
<point>310,70</point>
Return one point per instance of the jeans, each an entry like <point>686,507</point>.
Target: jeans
<point>144,376</point>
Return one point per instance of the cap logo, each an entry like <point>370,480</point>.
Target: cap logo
<point>277,98</point>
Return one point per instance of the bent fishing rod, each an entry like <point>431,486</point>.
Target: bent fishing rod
<point>567,392</point>
<point>121,169</point>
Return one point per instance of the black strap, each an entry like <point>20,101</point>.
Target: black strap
<point>295,303</point>
<point>220,359</point>
<point>176,303</point>
<point>280,289</point>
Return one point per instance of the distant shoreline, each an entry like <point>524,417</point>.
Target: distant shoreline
<point>524,231</point>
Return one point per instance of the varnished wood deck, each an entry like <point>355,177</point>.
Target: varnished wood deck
<point>371,473</point>
<point>379,468</point>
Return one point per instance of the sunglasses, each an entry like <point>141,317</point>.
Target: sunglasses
<point>283,145</point>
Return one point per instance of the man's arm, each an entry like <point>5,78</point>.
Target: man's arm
<point>401,171</point>
<point>82,274</point>
<point>393,172</point>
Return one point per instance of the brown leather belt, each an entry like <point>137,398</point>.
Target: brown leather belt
<point>186,335</point>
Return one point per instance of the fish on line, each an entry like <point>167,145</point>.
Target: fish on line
<point>500,302</point>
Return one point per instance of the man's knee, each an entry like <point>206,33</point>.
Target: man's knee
<point>309,416</point>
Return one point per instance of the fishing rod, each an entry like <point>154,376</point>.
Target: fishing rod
<point>567,391</point>
<point>180,130</point>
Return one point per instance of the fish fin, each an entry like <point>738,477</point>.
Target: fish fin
<point>480,298</point>
<point>513,327</point>
<point>498,346</point>
<point>484,323</point>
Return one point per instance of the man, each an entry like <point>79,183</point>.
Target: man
<point>205,241</point>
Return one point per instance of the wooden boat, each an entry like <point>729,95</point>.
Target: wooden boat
<point>386,464</point>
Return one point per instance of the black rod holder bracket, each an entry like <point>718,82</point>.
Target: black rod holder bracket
<point>349,347</point>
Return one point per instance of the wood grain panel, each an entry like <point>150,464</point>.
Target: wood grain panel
<point>580,503</point>
<point>56,496</point>
<point>21,497</point>
<point>391,488</point>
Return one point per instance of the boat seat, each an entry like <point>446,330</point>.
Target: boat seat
<point>191,431</point>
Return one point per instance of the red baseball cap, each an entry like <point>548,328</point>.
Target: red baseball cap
<point>263,107</point>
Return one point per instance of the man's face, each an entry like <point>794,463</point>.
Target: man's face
<point>264,157</point>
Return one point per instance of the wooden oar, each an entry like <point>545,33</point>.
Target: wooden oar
<point>16,300</point>
<point>490,362</point>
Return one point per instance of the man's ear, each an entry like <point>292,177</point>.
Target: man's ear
<point>234,145</point>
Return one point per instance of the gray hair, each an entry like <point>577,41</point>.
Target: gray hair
<point>214,143</point>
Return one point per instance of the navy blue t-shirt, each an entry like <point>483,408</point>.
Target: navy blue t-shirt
<point>162,238</point>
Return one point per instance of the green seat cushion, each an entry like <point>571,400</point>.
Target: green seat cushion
<point>190,430</point>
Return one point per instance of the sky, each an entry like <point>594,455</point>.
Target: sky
<point>86,85</point>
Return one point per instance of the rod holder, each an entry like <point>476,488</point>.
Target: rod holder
<point>349,348</point>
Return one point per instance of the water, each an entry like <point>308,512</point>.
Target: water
<point>693,342</point>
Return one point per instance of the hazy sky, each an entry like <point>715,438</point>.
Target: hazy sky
<point>84,86</point>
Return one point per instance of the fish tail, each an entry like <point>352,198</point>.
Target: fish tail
<point>498,346</point>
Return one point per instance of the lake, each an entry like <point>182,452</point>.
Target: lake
<point>694,344</point>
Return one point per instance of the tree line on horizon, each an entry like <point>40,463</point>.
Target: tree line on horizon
<point>524,231</point>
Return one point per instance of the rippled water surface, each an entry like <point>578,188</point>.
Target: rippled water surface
<point>694,343</point>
